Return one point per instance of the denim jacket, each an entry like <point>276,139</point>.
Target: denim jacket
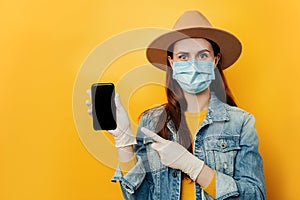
<point>226,141</point>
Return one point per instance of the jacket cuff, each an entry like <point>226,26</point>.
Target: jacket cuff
<point>133,178</point>
<point>225,186</point>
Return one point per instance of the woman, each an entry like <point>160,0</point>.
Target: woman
<point>194,146</point>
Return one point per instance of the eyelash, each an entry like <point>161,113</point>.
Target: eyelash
<point>185,57</point>
<point>203,55</point>
<point>180,57</point>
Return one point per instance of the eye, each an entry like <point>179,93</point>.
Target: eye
<point>203,55</point>
<point>182,57</point>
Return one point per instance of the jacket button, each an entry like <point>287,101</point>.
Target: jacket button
<point>223,144</point>
<point>225,166</point>
<point>174,174</point>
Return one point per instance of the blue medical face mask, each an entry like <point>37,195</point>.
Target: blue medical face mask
<point>193,76</point>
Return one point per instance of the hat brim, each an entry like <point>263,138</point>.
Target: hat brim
<point>230,46</point>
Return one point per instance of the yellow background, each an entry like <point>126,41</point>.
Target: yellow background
<point>44,43</point>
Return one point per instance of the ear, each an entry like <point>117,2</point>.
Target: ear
<point>170,61</point>
<point>217,59</point>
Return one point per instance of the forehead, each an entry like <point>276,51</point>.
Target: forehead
<point>192,44</point>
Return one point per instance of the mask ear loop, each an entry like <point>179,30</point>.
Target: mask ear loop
<point>218,57</point>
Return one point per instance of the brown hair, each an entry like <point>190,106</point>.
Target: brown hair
<point>174,111</point>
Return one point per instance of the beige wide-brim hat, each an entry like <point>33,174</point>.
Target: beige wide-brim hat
<point>192,24</point>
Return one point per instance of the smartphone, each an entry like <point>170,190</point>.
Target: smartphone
<point>103,106</point>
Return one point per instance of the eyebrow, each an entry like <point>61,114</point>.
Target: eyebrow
<point>183,52</point>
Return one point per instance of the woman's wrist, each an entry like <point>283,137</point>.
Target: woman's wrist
<point>205,176</point>
<point>125,139</point>
<point>125,153</point>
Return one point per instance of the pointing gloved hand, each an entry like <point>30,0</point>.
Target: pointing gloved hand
<point>175,155</point>
<point>122,134</point>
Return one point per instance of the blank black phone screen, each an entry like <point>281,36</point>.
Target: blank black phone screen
<point>103,106</point>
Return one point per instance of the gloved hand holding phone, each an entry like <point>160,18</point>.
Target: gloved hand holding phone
<point>122,134</point>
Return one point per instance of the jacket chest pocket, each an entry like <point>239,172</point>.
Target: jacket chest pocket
<point>221,152</point>
<point>153,159</point>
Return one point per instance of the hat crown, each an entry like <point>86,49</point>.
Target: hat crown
<point>191,19</point>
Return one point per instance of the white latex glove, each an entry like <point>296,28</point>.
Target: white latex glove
<point>88,102</point>
<point>175,155</point>
<point>122,134</point>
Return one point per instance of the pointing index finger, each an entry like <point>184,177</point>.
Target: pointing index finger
<point>153,135</point>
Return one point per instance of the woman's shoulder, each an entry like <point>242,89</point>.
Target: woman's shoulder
<point>234,109</point>
<point>150,117</point>
<point>154,111</point>
<point>237,113</point>
<point>230,110</point>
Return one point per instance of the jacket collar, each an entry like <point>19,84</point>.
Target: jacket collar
<point>216,109</point>
<point>216,112</point>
